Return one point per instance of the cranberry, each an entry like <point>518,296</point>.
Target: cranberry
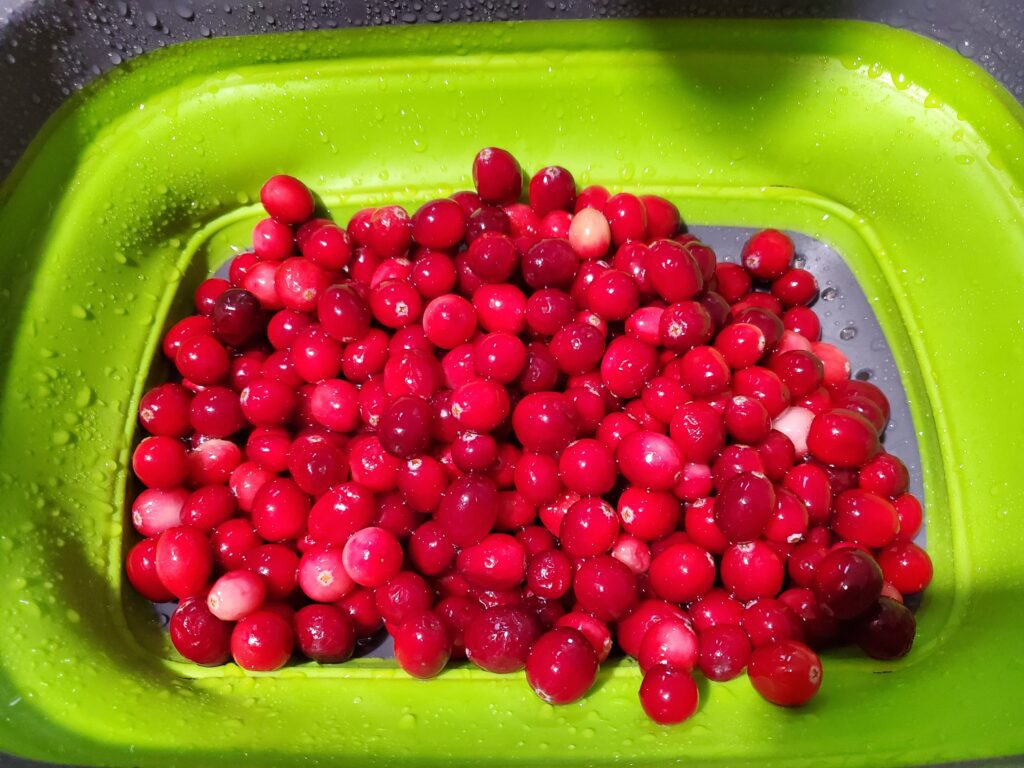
<point>787,674</point>
<point>577,348</point>
<point>682,573</point>
<point>699,522</point>
<point>843,439</point>
<point>752,570</point>
<point>724,652</point>
<point>663,218</point>
<point>277,565</point>
<point>272,240</point>
<point>544,422</point>
<point>287,199</point>
<point>769,621</point>
<point>910,514</point>
<point>421,482</point>
<point>704,372</point>
<point>279,510</point>
<point>906,566</point>
<point>886,631</point>
<point>744,506</point>
<point>669,695</point>
<point>605,587</point>
<point>468,510</point>
<point>235,595</point>
<point>684,325</point>
<point>231,541</point>
<point>803,321</point>
<point>164,410</point>
<point>343,313</point>
<point>795,287</point>
<point>439,224</point>
<point>590,527</point>
<point>627,366</point>
<point>140,567</point>
<point>673,272</point>
<point>328,246</point>
<point>627,218</point>
<point>672,642</point>
<point>650,460</point>
<point>848,582</point>
<point>499,639</point>
<point>322,576</point>
<point>549,574</point>
<point>767,255</point>
<point>497,176</point>
<point>404,429</point>
<point>632,628</point>
<point>183,560</point>
<point>487,219</point>
<point>324,633</point>
<point>648,514</point>
<point>423,644</point>
<point>820,629</point>
<point>715,609</point>
<point>884,475</point>
<point>589,234</point>
<point>550,263</point>
<point>497,562</point>
<point>160,462</point>
<point>372,556</point>
<point>562,666</point>
<point>198,635</point>
<point>372,466</point>
<point>262,642</point>
<point>403,596</point>
<point>449,320</point>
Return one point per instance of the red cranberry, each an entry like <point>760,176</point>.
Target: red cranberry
<point>704,372</point>
<point>724,652</point>
<point>328,246</point>
<point>787,674</point>
<point>669,695</point>
<point>673,272</point>
<point>449,320</point>
<point>910,514</point>
<point>795,287</point>
<point>231,541</point>
<point>272,240</point>
<point>487,219</point>
<point>562,666</point>
<point>235,595</point>
<point>372,556</point>
<point>550,263</point>
<point>403,596</point>
<point>744,506</point>
<point>499,639</point>
<point>627,366</point>
<point>279,510</point>
<point>544,422</point>
<point>627,218</point>
<point>884,475</point>
<point>648,514</point>
<point>421,482</point>
<point>803,321</point>
<point>404,429</point>
<point>650,460</point>
<point>497,176</point>
<point>820,628</point>
<point>662,217</point>
<point>590,527</point>
<point>468,510</point>
<point>670,642</point>
<point>605,587</point>
<point>287,199</point>
<point>343,313</point>
<point>372,466</point>
<point>752,570</point>
<point>160,462</point>
<point>699,522</point>
<point>198,635</point>
<point>324,633</point>
<point>848,582</point>
<point>140,567</point>
<point>843,439</point>
<point>184,561</point>
<point>631,629</point>
<point>684,325</point>
<point>262,642</point>
<point>423,644</point>
<point>439,224</point>
<point>767,255</point>
<point>886,631</point>
<point>715,609</point>
<point>682,573</point>
<point>164,410</point>
<point>865,518</point>
<point>906,566</point>
<point>497,562</point>
<point>769,621</point>
<point>237,317</point>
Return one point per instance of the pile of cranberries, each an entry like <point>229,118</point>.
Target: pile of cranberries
<point>523,434</point>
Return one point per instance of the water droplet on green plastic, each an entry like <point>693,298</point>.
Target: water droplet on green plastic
<point>931,102</point>
<point>79,312</point>
<point>964,159</point>
<point>83,397</point>
<point>407,721</point>
<point>73,616</point>
<point>62,437</point>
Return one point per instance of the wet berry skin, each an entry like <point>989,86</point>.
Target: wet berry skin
<point>886,631</point>
<point>562,666</point>
<point>787,674</point>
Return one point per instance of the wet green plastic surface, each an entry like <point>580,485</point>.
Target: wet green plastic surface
<point>904,157</point>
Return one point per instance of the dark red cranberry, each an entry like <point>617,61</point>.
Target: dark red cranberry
<point>324,633</point>
<point>724,652</point>
<point>848,582</point>
<point>499,639</point>
<point>886,631</point>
